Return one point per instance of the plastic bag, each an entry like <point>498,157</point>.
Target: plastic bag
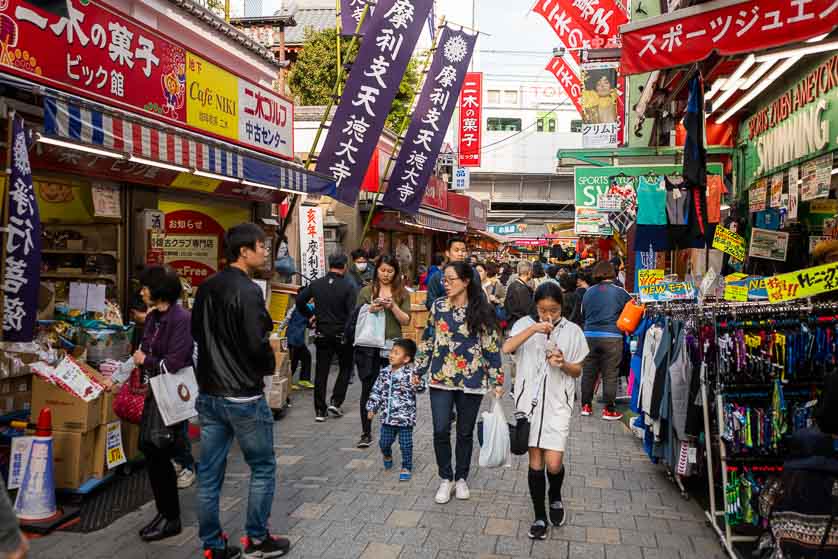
<point>369,330</point>
<point>495,450</point>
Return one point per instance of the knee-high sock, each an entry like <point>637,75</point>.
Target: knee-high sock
<point>556,481</point>
<point>538,487</point>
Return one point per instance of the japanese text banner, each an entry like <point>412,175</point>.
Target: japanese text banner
<point>350,14</point>
<point>431,117</point>
<point>740,28</point>
<point>567,28</point>
<point>369,93</point>
<point>568,79</point>
<point>471,115</point>
<point>597,18</point>
<point>23,245</point>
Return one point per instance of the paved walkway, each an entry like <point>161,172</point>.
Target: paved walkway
<point>337,502</point>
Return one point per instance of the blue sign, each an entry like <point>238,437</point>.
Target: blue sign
<point>504,229</point>
<point>757,291</point>
<point>669,291</point>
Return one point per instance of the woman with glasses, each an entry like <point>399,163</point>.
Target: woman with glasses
<point>460,351</point>
<point>549,350</point>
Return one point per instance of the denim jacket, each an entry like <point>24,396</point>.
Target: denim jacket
<point>394,397</point>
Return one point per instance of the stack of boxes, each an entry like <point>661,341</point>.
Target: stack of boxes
<point>278,388</point>
<point>418,317</point>
<point>80,431</point>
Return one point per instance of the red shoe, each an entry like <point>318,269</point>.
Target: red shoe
<point>587,410</point>
<point>611,415</point>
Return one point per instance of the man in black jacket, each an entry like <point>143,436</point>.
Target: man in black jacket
<point>334,302</point>
<point>231,327</point>
<point>518,301</point>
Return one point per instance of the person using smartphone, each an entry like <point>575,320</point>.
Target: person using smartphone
<point>549,350</point>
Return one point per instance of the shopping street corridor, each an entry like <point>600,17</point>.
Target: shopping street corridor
<point>337,502</point>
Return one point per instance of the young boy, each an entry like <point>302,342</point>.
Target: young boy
<point>395,397</point>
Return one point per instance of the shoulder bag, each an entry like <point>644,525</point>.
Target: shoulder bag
<point>129,401</point>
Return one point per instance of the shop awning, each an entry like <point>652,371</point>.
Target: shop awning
<point>726,27</point>
<point>123,136</point>
<point>500,239</point>
<point>438,222</point>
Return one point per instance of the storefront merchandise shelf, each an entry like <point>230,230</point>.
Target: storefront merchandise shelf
<point>69,251</point>
<point>57,275</point>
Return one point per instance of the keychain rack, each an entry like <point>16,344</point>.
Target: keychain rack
<point>726,315</point>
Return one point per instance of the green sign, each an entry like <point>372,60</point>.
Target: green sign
<point>591,182</point>
<point>798,124</point>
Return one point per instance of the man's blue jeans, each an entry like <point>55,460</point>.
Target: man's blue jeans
<point>252,425</point>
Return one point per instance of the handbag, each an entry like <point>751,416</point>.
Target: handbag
<point>369,331</point>
<point>154,433</point>
<point>175,394</point>
<point>519,432</point>
<point>129,401</point>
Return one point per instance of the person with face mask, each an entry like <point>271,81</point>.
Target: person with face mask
<point>359,272</point>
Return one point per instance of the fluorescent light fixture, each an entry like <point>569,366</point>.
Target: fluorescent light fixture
<point>80,147</point>
<point>800,51</point>
<point>259,185</point>
<point>717,85</point>
<point>762,86</point>
<point>817,38</point>
<point>207,175</point>
<point>734,82</point>
<point>152,163</point>
<point>757,74</point>
<point>835,171</point>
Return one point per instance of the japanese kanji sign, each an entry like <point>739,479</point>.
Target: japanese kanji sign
<point>429,124</point>
<point>734,29</point>
<point>350,16</point>
<point>312,244</point>
<point>100,54</point>
<point>729,242</point>
<point>471,117</point>
<point>671,291</point>
<point>565,23</point>
<point>599,19</point>
<point>803,283</point>
<point>568,79</point>
<point>22,236</point>
<point>369,93</point>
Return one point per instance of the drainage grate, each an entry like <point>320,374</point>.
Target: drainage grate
<point>124,494</point>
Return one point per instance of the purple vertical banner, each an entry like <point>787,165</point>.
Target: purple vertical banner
<point>369,93</point>
<point>22,278</point>
<point>350,15</point>
<point>429,124</point>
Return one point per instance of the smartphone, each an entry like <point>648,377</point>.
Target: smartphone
<point>551,348</point>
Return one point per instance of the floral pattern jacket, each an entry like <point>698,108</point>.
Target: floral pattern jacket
<point>393,396</point>
<point>453,358</point>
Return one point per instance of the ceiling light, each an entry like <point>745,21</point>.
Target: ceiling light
<point>259,185</point>
<point>800,51</point>
<point>817,38</point>
<point>80,147</point>
<point>762,86</point>
<point>717,85</point>
<point>733,83</point>
<point>152,163</point>
<point>207,175</point>
<point>757,74</point>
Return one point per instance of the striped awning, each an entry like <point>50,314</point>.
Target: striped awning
<point>127,135</point>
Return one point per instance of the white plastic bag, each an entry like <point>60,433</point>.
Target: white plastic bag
<point>175,394</point>
<point>369,330</point>
<point>495,450</point>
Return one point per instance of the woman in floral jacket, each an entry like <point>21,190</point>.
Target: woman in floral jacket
<point>460,351</point>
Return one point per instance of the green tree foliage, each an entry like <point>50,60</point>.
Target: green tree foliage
<point>312,77</point>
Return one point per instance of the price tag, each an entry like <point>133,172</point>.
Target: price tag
<point>736,292</point>
<point>730,243</point>
<point>114,452</point>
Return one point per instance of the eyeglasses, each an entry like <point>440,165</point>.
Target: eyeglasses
<point>450,280</point>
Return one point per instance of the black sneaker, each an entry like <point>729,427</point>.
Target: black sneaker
<point>365,441</point>
<point>271,546</point>
<point>335,410</point>
<point>538,531</point>
<point>229,552</point>
<point>557,515</point>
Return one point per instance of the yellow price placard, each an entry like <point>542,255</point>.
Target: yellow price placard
<point>736,292</point>
<point>803,283</point>
<point>649,277</point>
<point>729,242</point>
<point>114,452</point>
<point>731,278</point>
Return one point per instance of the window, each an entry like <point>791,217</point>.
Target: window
<point>551,125</point>
<point>510,97</point>
<point>546,124</point>
<point>576,126</point>
<point>503,124</point>
<point>539,125</point>
<point>494,97</point>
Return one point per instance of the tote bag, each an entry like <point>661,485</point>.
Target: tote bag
<point>175,394</point>
<point>369,330</point>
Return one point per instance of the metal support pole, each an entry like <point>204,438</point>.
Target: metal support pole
<point>402,128</point>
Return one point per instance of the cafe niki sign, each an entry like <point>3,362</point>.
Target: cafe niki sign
<point>801,122</point>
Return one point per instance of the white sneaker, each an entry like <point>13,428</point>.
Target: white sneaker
<point>462,490</point>
<point>443,494</point>
<point>185,478</point>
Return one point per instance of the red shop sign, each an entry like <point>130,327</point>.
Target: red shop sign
<point>568,79</point>
<point>436,194</point>
<point>737,29</point>
<point>96,53</point>
<point>471,116</point>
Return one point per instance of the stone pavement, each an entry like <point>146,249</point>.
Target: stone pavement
<point>337,502</point>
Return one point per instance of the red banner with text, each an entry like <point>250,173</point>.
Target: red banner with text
<point>736,29</point>
<point>568,79</point>
<point>471,117</point>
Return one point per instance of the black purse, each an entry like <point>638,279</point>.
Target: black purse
<point>519,432</point>
<point>154,434</point>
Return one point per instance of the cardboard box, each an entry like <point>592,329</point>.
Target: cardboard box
<point>418,298</point>
<point>131,440</point>
<point>419,319</point>
<point>12,386</point>
<point>278,394</point>
<point>107,415</point>
<point>68,412</point>
<point>99,460</point>
<point>283,363</point>
<point>72,458</point>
